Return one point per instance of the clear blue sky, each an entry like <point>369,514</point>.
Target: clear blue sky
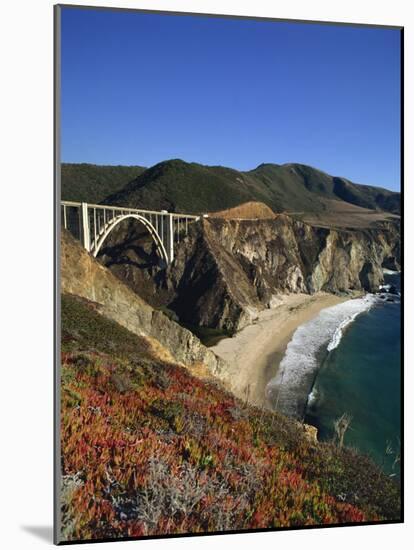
<point>141,88</point>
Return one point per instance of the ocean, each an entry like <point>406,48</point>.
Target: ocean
<point>348,360</point>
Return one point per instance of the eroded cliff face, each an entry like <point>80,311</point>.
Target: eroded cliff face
<point>83,276</point>
<point>226,271</point>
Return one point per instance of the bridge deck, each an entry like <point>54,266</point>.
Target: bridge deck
<point>128,209</point>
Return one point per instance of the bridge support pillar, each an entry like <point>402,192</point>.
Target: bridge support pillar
<point>170,251</point>
<point>85,231</point>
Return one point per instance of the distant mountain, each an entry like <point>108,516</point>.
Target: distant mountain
<point>176,185</point>
<point>290,180</point>
<point>92,183</point>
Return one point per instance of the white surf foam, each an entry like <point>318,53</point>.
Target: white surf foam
<point>288,390</point>
<point>339,332</point>
<point>389,271</point>
<point>313,396</point>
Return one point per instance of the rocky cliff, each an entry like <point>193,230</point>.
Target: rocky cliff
<point>83,276</point>
<point>228,270</point>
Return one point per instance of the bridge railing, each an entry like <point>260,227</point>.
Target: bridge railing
<point>90,222</point>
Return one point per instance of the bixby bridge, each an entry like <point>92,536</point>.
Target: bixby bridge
<point>92,223</point>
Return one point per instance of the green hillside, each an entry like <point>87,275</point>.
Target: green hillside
<point>176,185</point>
<point>367,196</point>
<point>92,183</point>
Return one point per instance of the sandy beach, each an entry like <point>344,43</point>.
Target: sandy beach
<point>255,352</point>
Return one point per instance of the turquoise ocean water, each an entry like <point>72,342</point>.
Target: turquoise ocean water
<point>362,376</point>
<point>348,360</point>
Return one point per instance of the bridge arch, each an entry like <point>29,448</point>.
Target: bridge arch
<point>115,221</point>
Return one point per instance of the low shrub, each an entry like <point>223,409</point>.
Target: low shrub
<point>148,449</point>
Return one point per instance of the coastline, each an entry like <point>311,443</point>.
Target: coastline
<point>254,353</point>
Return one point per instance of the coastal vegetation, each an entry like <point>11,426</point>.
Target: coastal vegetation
<point>148,448</point>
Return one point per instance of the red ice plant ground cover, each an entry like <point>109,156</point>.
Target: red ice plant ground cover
<point>148,449</point>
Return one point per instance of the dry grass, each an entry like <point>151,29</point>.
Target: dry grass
<point>248,211</point>
<point>340,214</point>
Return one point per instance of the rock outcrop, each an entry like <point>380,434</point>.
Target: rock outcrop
<point>228,270</point>
<point>83,276</point>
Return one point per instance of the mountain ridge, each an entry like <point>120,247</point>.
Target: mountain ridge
<point>191,187</point>
<point>305,192</point>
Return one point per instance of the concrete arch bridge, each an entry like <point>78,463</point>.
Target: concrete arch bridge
<point>93,223</point>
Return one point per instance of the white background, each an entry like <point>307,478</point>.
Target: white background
<point>26,314</point>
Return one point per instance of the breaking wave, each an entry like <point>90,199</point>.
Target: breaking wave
<point>288,391</point>
<point>390,271</point>
<point>339,332</point>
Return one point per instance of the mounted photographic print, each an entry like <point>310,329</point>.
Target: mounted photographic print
<point>229,274</point>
